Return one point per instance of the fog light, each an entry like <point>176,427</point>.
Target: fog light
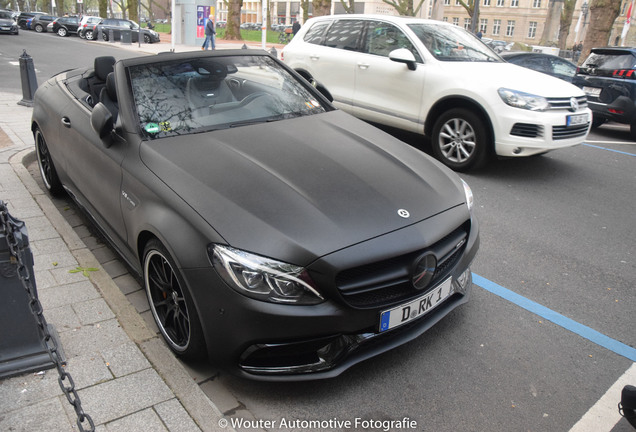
<point>517,151</point>
<point>464,279</point>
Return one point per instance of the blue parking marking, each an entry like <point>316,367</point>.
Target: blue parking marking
<point>609,149</point>
<point>558,319</point>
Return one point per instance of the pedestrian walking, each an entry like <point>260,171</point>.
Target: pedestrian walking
<point>210,31</point>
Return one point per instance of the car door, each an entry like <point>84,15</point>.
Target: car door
<point>94,169</point>
<point>385,91</point>
<point>333,62</point>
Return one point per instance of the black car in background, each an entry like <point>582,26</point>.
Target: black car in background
<point>116,26</point>
<point>40,21</point>
<point>7,23</point>
<point>547,63</point>
<point>26,16</point>
<point>608,77</point>
<point>65,26</point>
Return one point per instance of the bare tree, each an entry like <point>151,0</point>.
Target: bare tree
<point>550,28</point>
<point>469,5</point>
<point>321,7</point>
<point>103,8</point>
<point>566,22</point>
<point>305,5</point>
<point>233,26</point>
<point>603,13</point>
<point>405,7</point>
<point>348,6</point>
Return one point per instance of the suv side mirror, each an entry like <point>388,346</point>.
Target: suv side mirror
<point>402,55</point>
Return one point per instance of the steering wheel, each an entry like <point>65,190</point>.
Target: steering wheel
<point>252,97</point>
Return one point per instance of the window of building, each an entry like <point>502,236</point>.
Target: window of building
<point>510,29</point>
<point>456,21</point>
<point>532,29</point>
<point>483,25</point>
<point>486,2</point>
<point>500,3</point>
<point>467,23</point>
<point>536,4</point>
<point>514,3</point>
<point>496,26</point>
<point>446,2</point>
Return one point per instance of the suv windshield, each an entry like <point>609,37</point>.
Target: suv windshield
<point>5,15</point>
<point>451,43</point>
<point>208,93</point>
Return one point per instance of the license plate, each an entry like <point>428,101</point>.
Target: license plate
<point>5,28</point>
<point>417,308</point>
<point>575,120</point>
<point>592,91</point>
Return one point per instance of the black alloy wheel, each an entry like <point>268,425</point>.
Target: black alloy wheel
<point>47,169</point>
<point>147,39</point>
<point>170,303</point>
<point>460,140</point>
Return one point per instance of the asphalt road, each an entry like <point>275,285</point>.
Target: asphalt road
<point>556,230</point>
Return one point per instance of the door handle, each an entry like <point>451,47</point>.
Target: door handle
<point>314,57</point>
<point>364,66</point>
<point>66,122</point>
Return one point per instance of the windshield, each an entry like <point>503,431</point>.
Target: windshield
<point>209,93</point>
<point>451,43</point>
<point>5,15</point>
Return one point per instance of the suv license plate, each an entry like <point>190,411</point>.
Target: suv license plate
<point>575,120</point>
<point>417,308</point>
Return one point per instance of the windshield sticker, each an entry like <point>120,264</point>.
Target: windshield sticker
<point>312,104</point>
<point>152,128</point>
<point>165,126</point>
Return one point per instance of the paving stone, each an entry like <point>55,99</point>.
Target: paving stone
<point>46,416</point>
<point>125,359</point>
<point>66,294</point>
<point>88,370</point>
<point>93,311</point>
<point>139,300</point>
<point>176,417</point>
<point>127,283</point>
<point>28,389</point>
<point>63,318</point>
<point>107,334</point>
<point>143,421</point>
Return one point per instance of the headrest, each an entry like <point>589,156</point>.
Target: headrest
<point>218,71</point>
<point>104,66</point>
<point>110,86</point>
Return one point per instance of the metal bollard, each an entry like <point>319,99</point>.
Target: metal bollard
<point>22,346</point>
<point>126,37</point>
<point>111,36</point>
<point>244,46</point>
<point>29,81</point>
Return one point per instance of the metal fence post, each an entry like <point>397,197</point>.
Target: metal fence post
<point>29,81</point>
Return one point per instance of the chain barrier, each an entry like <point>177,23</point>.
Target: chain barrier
<point>9,227</point>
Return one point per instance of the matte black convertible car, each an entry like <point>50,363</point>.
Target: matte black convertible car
<point>283,238</point>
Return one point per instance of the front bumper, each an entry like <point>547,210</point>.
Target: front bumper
<point>273,342</point>
<point>525,133</point>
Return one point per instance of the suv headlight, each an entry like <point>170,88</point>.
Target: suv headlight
<point>522,100</point>
<point>263,278</point>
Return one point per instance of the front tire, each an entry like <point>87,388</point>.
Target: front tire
<point>88,34</point>
<point>105,36</point>
<point>171,304</point>
<point>147,39</point>
<point>38,28</point>
<point>460,140</point>
<point>62,32</point>
<point>45,162</point>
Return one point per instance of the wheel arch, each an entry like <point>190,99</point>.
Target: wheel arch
<point>451,102</point>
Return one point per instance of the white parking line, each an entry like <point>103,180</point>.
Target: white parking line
<point>604,415</point>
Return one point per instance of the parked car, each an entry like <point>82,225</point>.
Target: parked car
<point>118,25</point>
<point>279,235</point>
<point>608,77</point>
<point>436,79</point>
<point>7,23</point>
<point>546,63</point>
<point>65,26</point>
<point>40,21</point>
<point>26,16</point>
<point>86,26</point>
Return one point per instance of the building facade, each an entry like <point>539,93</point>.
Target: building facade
<point>506,20</point>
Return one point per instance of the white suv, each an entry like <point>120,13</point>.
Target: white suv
<point>436,79</point>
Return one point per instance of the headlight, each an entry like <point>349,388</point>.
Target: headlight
<point>469,196</point>
<point>262,278</point>
<point>523,100</point>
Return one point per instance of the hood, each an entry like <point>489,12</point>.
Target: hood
<point>6,22</point>
<point>302,188</point>
<point>511,76</point>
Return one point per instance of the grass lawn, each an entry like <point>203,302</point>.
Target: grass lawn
<point>247,35</point>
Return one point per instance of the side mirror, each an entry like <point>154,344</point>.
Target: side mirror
<point>402,55</point>
<point>102,123</point>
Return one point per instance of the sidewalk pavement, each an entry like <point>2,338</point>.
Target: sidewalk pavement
<point>126,377</point>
